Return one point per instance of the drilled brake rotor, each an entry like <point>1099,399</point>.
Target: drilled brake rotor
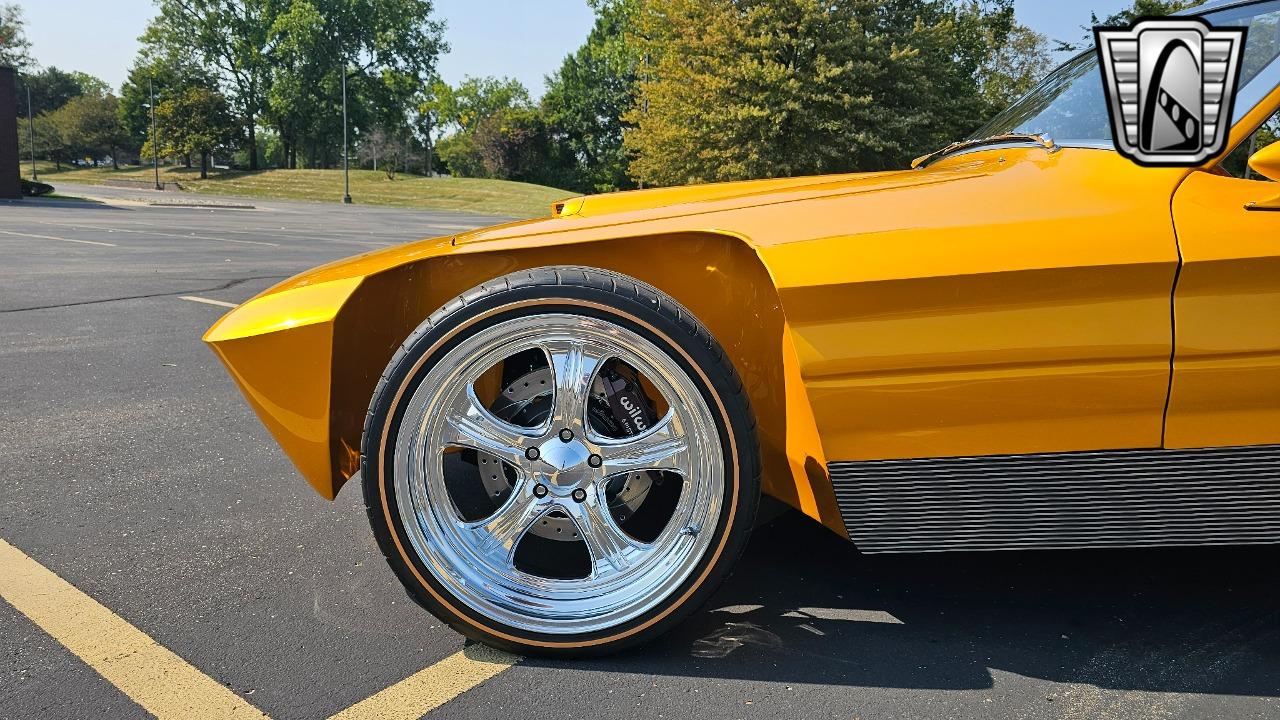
<point>526,401</point>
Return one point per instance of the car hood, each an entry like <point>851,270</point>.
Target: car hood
<point>596,205</point>
<point>638,206</point>
<point>715,206</point>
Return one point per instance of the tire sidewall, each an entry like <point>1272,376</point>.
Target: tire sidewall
<point>705,366</point>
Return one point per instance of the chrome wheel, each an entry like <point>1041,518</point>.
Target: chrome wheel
<point>544,498</point>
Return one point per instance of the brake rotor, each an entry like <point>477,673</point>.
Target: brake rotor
<point>526,402</point>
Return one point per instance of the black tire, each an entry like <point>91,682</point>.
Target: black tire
<point>601,294</point>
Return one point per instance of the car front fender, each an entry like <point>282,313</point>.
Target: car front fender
<point>308,353</point>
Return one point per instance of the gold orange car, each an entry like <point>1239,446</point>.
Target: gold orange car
<point>564,426</point>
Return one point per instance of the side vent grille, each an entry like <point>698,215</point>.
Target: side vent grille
<point>1128,498</point>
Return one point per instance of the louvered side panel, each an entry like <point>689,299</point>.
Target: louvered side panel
<point>1130,498</point>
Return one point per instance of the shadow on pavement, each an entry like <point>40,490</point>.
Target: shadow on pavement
<point>804,606</point>
<point>68,202</point>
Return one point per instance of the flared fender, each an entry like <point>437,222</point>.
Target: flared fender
<point>308,353</point>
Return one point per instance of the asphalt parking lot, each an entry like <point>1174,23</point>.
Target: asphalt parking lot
<point>134,470</point>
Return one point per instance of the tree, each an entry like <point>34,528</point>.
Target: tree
<point>734,89</point>
<point>515,144</point>
<point>393,45</point>
<point>388,48</point>
<point>15,49</point>
<point>461,156</point>
<point>169,77</point>
<point>427,121</point>
<point>467,107</point>
<point>386,146</point>
<point>1015,66</point>
<point>49,141</point>
<point>197,121</point>
<point>90,85</point>
<point>51,88</point>
<point>587,97</point>
<point>90,125</point>
<point>304,100</point>
<point>229,37</point>
<point>281,63</point>
<point>475,99</point>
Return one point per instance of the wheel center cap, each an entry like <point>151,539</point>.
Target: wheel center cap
<point>563,457</point>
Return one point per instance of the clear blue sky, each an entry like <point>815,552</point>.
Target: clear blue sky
<point>524,39</point>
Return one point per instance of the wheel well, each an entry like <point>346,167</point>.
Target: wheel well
<point>717,277</point>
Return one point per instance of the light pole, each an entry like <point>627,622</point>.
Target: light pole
<point>428,144</point>
<point>346,169</point>
<point>31,135</point>
<point>155,150</point>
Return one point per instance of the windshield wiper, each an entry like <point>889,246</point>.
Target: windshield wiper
<point>1039,139</point>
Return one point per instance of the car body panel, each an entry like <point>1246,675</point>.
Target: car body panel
<point>1226,381</point>
<point>909,305</point>
<point>718,256</point>
<point>1007,300</point>
<point>949,334</point>
<point>278,349</point>
<point>718,277</point>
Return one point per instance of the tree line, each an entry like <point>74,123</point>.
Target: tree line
<point>667,92</point>
<point>661,92</point>
<point>257,81</point>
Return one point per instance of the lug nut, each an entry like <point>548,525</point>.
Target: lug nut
<point>566,435</point>
<point>595,461</point>
<point>532,453</point>
<point>540,490</point>
<point>579,495</point>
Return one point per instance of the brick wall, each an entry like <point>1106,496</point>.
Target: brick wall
<point>9,186</point>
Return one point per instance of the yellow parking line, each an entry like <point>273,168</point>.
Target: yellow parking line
<point>164,684</point>
<point>206,301</point>
<point>167,686</point>
<point>428,689</point>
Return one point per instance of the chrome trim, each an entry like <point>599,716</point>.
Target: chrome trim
<point>1081,144</point>
<point>1118,498</point>
<point>1215,6</point>
<point>1005,140</point>
<point>1091,144</point>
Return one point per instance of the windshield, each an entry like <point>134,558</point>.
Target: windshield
<point>1069,106</point>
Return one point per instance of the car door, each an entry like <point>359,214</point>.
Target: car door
<point>1226,369</point>
<point>1225,389</point>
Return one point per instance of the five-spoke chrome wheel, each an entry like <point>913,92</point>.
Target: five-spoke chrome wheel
<point>541,496</point>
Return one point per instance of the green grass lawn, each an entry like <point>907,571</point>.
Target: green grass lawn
<point>491,197</point>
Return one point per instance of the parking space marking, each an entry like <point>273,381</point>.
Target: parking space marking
<point>167,686</point>
<point>51,237</point>
<point>189,236</point>
<point>844,614</point>
<point>362,243</point>
<point>428,689</point>
<point>303,234</point>
<point>206,301</point>
<point>155,678</point>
